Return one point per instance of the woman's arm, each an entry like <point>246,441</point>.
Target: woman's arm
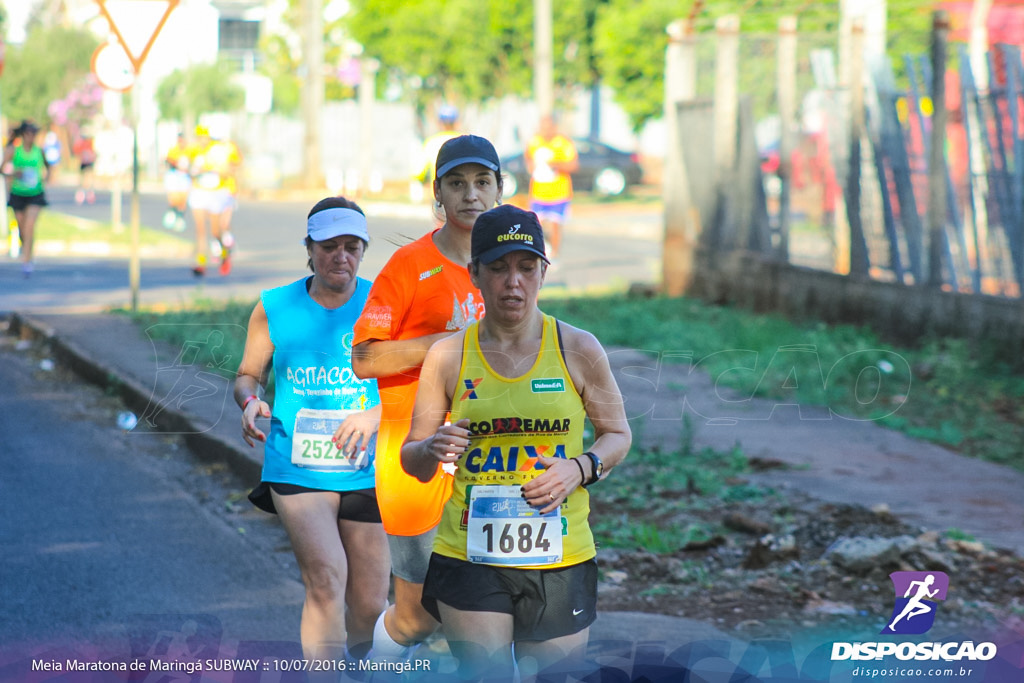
<point>602,401</point>
<point>431,442</point>
<point>385,358</point>
<point>252,374</point>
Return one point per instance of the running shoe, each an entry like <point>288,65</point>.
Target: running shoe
<point>227,241</point>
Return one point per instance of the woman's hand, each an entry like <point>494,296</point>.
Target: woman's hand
<point>255,408</point>
<point>449,442</point>
<point>354,434</point>
<point>547,490</point>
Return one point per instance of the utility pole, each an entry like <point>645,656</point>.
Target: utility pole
<point>543,58</point>
<point>313,91</point>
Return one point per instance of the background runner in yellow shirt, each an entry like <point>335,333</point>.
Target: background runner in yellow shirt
<point>551,158</point>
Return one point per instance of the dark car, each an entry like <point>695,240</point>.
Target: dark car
<point>603,170</point>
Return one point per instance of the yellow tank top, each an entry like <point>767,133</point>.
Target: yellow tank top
<point>512,421</point>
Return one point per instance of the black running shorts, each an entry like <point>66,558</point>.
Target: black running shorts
<point>356,506</point>
<point>544,603</point>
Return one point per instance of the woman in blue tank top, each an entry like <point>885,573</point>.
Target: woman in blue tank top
<point>318,465</point>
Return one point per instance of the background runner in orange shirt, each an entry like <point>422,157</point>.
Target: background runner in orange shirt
<point>423,294</point>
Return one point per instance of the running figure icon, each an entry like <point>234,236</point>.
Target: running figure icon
<point>917,595</point>
<point>915,606</point>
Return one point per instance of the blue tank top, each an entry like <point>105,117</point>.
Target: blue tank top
<point>314,388</point>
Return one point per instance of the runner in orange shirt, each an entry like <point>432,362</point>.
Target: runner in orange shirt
<point>423,294</point>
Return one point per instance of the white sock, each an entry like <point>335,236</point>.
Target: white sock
<point>383,644</point>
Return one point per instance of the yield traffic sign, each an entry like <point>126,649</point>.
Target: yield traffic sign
<point>122,28</point>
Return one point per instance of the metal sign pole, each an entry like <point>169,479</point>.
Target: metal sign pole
<point>136,62</point>
<point>134,267</point>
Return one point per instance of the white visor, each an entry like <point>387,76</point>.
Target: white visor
<point>336,222</point>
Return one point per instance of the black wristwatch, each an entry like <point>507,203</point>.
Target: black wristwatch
<point>598,468</point>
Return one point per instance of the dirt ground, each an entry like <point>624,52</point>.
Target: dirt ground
<point>817,552</point>
<point>772,569</point>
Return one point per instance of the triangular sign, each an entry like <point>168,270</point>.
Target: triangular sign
<point>129,28</point>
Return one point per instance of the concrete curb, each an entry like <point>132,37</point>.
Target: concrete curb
<point>206,444</point>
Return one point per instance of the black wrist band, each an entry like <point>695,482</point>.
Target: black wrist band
<point>593,469</point>
<point>583,475</point>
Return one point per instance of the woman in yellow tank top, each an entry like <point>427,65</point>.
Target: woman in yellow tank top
<point>513,560</point>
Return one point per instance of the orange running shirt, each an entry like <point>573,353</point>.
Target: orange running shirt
<point>418,292</point>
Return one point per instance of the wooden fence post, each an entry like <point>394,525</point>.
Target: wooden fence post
<point>681,225</point>
<point>726,118</point>
<point>786,86</point>
<point>937,208</point>
<point>858,252</point>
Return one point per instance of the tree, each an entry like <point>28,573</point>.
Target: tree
<point>465,50</point>
<point>51,63</point>
<point>631,40</point>
<point>283,59</point>
<point>186,93</point>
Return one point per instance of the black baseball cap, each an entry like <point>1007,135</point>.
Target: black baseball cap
<point>466,149</point>
<point>506,228</point>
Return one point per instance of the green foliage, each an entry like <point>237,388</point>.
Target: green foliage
<point>460,50</point>
<point>281,64</point>
<point>51,62</point>
<point>947,390</point>
<point>660,486</point>
<point>630,44</point>
<point>60,227</point>
<point>283,59</point>
<point>186,93</point>
<point>620,531</point>
<point>957,534</point>
<point>215,330</point>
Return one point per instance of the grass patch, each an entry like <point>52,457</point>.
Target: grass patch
<point>655,485</point>
<point>61,227</point>
<point>208,333</point>
<point>946,390</point>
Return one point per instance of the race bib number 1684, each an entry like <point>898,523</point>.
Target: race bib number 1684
<point>503,529</point>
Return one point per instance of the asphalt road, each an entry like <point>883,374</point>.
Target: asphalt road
<point>600,249</point>
<point>117,544</point>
